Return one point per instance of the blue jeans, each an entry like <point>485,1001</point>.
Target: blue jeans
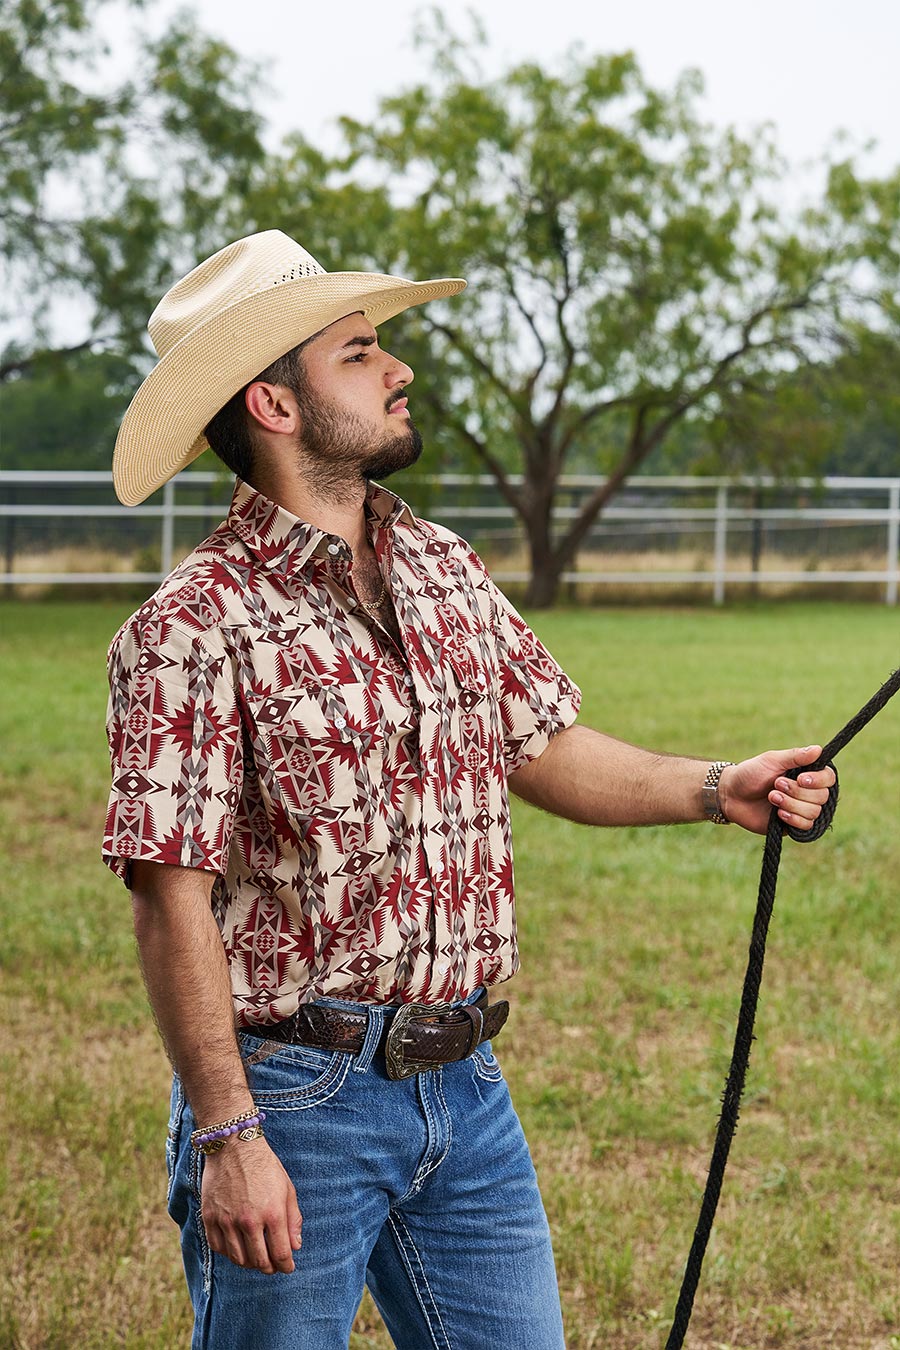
<point>422,1189</point>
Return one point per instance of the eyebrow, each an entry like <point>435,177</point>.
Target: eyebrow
<point>360,342</point>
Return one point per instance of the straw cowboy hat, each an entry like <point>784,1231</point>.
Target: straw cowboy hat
<point>223,323</point>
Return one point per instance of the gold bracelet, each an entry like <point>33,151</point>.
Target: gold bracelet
<point>211,1138</point>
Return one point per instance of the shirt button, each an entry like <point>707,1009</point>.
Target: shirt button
<point>408,681</point>
<point>340,723</point>
<point>334,549</point>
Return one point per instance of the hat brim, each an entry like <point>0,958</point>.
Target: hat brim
<point>162,430</point>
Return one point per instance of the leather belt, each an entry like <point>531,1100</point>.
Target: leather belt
<point>418,1037</point>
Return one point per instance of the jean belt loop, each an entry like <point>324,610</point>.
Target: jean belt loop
<point>363,1060</point>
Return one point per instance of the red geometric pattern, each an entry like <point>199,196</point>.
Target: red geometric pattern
<point>351,795</point>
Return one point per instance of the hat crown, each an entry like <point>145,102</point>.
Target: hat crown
<point>241,269</point>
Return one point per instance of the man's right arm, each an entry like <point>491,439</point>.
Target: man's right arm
<point>249,1203</point>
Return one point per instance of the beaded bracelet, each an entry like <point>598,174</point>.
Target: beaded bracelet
<point>211,1138</point>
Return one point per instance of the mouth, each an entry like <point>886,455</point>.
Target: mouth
<point>398,408</point>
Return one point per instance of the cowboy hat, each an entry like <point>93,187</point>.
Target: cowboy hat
<point>223,323</point>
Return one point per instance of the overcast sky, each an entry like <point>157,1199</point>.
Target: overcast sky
<point>811,67</point>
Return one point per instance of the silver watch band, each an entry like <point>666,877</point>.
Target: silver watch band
<point>709,792</point>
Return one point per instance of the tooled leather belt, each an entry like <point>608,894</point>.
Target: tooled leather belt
<point>419,1036</point>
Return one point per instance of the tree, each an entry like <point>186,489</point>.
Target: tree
<point>110,186</point>
<point>65,415</point>
<point>835,417</point>
<point>628,268</point>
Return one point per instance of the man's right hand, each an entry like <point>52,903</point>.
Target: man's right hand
<point>249,1207</point>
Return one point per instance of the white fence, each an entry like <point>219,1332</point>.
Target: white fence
<point>714,533</point>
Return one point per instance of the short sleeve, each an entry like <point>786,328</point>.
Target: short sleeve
<point>175,742</point>
<point>537,698</point>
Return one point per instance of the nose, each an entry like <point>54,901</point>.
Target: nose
<point>397,373</point>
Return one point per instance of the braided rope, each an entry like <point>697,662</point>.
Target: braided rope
<point>734,1084</point>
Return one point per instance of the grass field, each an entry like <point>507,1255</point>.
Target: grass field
<point>634,945</point>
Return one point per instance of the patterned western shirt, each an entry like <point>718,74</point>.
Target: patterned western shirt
<point>349,795</point>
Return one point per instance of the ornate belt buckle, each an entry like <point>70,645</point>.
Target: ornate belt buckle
<point>396,1063</point>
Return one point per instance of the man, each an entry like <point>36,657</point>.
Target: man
<point>313,724</point>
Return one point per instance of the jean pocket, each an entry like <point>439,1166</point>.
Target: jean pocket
<point>291,1077</point>
<point>486,1065</point>
<point>173,1135</point>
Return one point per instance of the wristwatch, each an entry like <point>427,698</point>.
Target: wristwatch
<point>709,793</point>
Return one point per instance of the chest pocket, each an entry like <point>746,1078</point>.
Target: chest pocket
<point>474,724</point>
<point>320,749</point>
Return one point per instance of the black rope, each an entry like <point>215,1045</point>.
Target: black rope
<point>734,1084</point>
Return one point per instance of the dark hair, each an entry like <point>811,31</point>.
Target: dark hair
<point>231,433</point>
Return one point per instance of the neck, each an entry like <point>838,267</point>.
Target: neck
<point>335,507</point>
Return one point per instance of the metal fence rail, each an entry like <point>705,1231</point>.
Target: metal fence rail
<point>735,528</point>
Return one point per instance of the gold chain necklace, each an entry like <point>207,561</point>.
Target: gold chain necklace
<point>372,605</point>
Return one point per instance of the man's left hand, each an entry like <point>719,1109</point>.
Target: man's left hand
<point>749,790</point>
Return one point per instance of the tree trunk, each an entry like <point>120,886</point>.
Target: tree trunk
<point>543,588</point>
<point>546,564</point>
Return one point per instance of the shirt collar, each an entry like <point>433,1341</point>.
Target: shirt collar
<point>282,542</point>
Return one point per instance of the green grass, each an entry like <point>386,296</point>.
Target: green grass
<point>634,944</point>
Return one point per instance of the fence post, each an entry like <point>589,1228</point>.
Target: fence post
<point>168,524</point>
<point>893,545</point>
<point>721,538</point>
<point>11,531</point>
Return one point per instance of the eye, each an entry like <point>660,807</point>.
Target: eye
<point>360,356</point>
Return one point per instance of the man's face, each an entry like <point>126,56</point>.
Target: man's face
<point>354,421</point>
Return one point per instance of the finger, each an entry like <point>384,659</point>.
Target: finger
<point>294,1220</point>
<point>805,755</point>
<point>795,805</point>
<point>807,811</point>
<point>825,778</point>
<point>788,789</point>
<point>796,820</point>
<point>796,758</point>
<point>278,1243</point>
<point>254,1241</point>
<point>227,1242</point>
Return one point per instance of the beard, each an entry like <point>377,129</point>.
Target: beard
<point>339,451</point>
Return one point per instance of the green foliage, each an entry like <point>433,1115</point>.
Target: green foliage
<point>629,268</point>
<point>111,185</point>
<point>64,415</point>
<point>637,290</point>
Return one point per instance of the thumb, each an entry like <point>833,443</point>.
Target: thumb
<point>795,759</point>
<point>294,1223</point>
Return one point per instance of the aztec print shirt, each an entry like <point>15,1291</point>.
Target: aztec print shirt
<point>350,797</point>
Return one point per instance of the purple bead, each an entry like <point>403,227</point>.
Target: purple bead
<point>262,1116</point>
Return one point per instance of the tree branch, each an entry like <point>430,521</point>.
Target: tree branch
<point>472,356</point>
<point>536,332</point>
<point>664,398</point>
<point>491,463</point>
<point>640,446</point>
<point>20,365</point>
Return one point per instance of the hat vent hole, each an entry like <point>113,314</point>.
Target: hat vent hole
<point>299,270</point>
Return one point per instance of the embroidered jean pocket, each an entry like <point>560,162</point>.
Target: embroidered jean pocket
<point>486,1065</point>
<point>291,1077</point>
<point>173,1139</point>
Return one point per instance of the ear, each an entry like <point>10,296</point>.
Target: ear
<point>273,407</point>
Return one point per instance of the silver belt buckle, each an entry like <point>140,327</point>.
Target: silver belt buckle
<point>396,1063</point>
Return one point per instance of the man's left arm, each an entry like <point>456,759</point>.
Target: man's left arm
<point>595,779</point>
